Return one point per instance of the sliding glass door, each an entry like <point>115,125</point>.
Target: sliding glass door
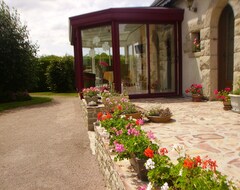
<point>146,71</point>
<point>162,58</point>
<point>133,58</point>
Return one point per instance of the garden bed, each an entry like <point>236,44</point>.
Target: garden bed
<point>118,175</point>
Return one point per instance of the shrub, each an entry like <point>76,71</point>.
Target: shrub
<point>60,75</point>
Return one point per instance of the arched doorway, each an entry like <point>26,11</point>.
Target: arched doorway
<point>225,48</point>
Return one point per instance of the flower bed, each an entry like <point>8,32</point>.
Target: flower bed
<point>127,139</point>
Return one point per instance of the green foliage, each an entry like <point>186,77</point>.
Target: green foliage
<point>188,174</point>
<point>237,91</point>
<point>72,94</point>
<point>128,133</point>
<point>17,53</point>
<point>60,74</point>
<point>33,101</point>
<point>41,69</point>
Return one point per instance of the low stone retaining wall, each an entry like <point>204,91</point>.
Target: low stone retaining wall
<point>118,175</point>
<point>91,113</point>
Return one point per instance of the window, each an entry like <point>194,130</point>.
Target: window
<point>97,56</point>
<point>196,42</point>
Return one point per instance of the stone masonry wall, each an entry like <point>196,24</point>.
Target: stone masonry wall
<point>91,113</point>
<point>105,160</point>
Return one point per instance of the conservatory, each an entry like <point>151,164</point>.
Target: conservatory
<point>134,50</point>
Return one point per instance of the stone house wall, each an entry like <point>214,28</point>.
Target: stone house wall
<point>202,67</point>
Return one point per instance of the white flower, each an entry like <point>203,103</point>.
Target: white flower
<point>123,116</point>
<point>180,172</point>
<point>150,164</point>
<point>180,149</point>
<point>149,187</point>
<point>165,186</point>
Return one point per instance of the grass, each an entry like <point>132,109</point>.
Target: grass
<point>33,101</point>
<point>72,94</point>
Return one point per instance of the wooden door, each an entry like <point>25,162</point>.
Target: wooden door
<point>225,48</point>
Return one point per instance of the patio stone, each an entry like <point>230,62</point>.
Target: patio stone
<point>203,127</point>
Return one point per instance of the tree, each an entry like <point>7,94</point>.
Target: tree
<point>60,74</point>
<point>17,54</point>
<point>41,70</point>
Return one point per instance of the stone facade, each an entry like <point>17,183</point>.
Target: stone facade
<point>202,67</point>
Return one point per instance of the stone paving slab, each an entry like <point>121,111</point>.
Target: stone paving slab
<point>203,127</point>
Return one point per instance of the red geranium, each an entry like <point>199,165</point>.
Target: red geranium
<point>99,116</point>
<point>149,153</point>
<point>188,163</point>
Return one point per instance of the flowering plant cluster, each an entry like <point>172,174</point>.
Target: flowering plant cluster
<point>127,137</point>
<point>92,91</point>
<point>223,95</point>
<point>195,89</point>
<point>188,173</point>
<point>196,45</point>
<point>119,105</point>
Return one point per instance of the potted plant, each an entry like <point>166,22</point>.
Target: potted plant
<point>197,92</point>
<point>159,114</point>
<point>137,146</point>
<point>123,106</point>
<point>223,95</point>
<point>235,99</point>
<point>188,173</point>
<point>91,94</point>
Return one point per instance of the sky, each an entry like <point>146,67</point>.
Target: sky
<point>48,20</point>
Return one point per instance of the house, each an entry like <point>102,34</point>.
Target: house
<point>210,41</point>
<point>159,50</point>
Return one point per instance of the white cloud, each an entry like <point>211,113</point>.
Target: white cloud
<point>47,20</point>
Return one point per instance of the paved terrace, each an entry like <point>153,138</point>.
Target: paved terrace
<point>203,127</point>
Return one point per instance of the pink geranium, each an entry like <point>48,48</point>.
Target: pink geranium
<point>195,89</point>
<point>103,63</point>
<point>223,95</point>
<point>119,147</point>
<point>150,135</point>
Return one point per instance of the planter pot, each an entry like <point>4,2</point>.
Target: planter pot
<point>157,119</point>
<point>91,99</point>
<point>139,168</point>
<point>197,97</point>
<point>235,102</point>
<point>227,105</point>
<point>137,115</point>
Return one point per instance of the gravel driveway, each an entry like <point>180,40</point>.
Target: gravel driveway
<point>47,147</point>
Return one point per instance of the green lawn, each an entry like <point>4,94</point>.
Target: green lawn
<point>73,94</point>
<point>33,101</point>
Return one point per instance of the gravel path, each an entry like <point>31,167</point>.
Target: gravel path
<point>47,147</point>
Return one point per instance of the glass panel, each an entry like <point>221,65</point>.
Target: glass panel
<point>162,58</point>
<point>97,56</point>
<point>133,58</point>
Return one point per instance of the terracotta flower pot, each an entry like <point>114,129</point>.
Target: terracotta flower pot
<point>136,115</point>
<point>139,168</point>
<point>227,105</point>
<point>197,97</point>
<point>157,119</point>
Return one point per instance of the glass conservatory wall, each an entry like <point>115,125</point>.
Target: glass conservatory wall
<point>97,56</point>
<point>133,58</point>
<point>162,58</point>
